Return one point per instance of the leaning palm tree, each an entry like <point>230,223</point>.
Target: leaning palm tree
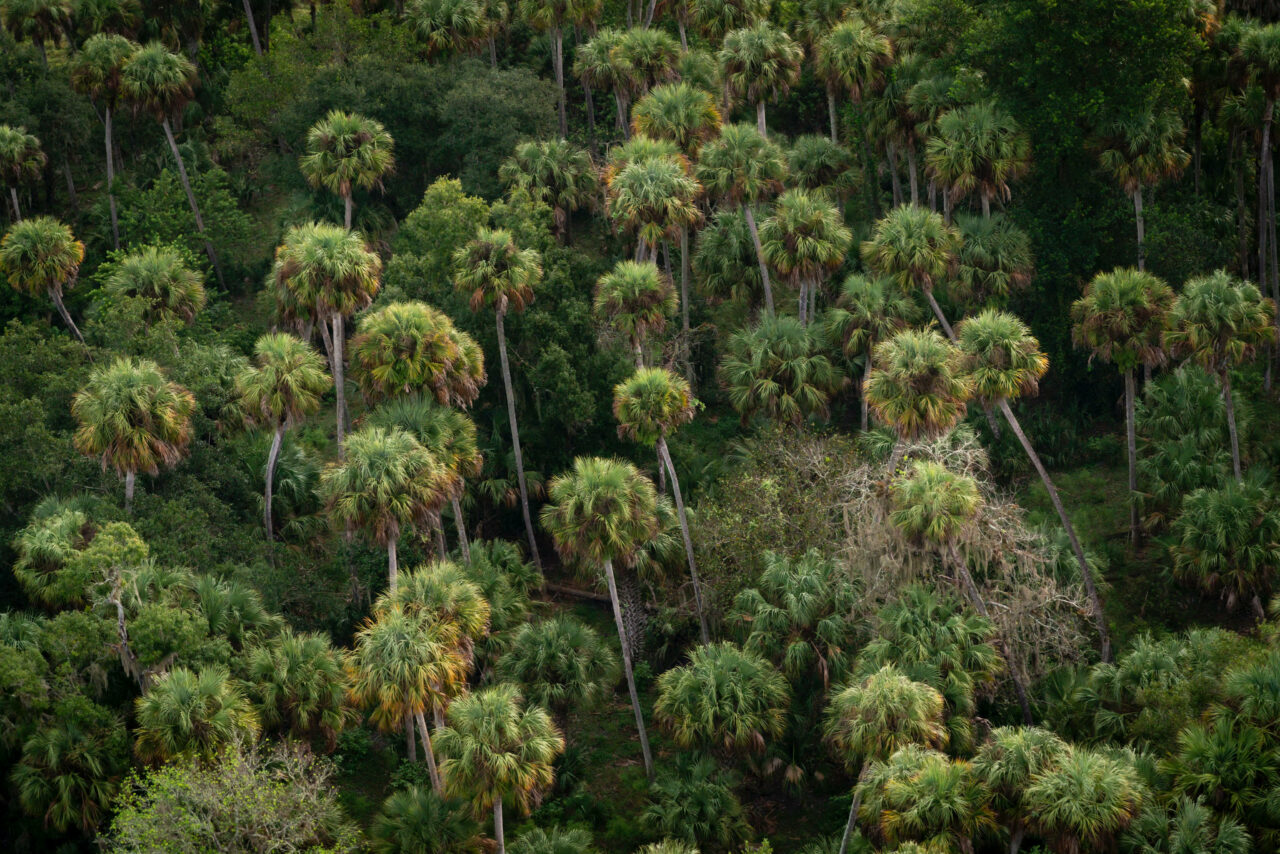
<point>851,58</point>
<point>1120,318</point>
<point>556,172</point>
<point>805,240</point>
<point>41,257</point>
<point>192,713</point>
<point>1220,321</point>
<point>635,298</point>
<point>560,663</point>
<point>652,404</point>
<point>345,151</point>
<point>162,83</point>
<point>387,482</point>
<point>133,419</point>
<point>97,73</point>
<point>869,721</point>
<point>497,748</point>
<point>780,368</point>
<point>914,247</point>
<point>760,63</point>
<point>282,387</point>
<point>605,511</point>
<point>410,347</point>
<point>552,16</point>
<point>1007,764</point>
<point>499,274</point>
<point>1004,362</point>
<point>160,276</point>
<point>1086,801</point>
<point>980,149</point>
<point>742,168</point>
<point>869,310</point>
<point>21,160</point>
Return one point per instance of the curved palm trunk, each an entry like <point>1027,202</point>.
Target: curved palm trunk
<point>191,198</point>
<point>461,525</point>
<point>56,296</point>
<point>626,661</point>
<point>853,810</point>
<point>515,439</point>
<point>665,454</point>
<point>253,29</point>
<point>974,596</point>
<point>760,123</point>
<point>764,268</point>
<point>393,562</point>
<point>339,383</point>
<point>1131,444</point>
<point>111,180</point>
<point>1141,224</point>
<point>272,458</point>
<point>557,67</point>
<point>1231,424</point>
<point>937,312</point>
<point>432,769</point>
<point>498,832</point>
<point>1085,574</point>
<point>129,479</point>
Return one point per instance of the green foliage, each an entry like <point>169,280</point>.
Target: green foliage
<point>694,803</point>
<point>418,821</point>
<point>560,663</point>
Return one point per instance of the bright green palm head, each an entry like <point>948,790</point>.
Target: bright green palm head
<point>161,276</point>
<point>327,269</point>
<point>917,384</point>
<point>285,383</point>
<point>40,256</point>
<point>1000,355</point>
<point>346,150</point>
<point>913,246</point>
<point>636,298</point>
<point>603,509</point>
<point>933,504</point>
<point>886,711</point>
<point>652,403</point>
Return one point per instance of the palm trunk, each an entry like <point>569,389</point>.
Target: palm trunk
<point>665,453</point>
<point>760,123</point>
<point>493,52</point>
<point>460,523</point>
<point>684,37</point>
<point>853,810</point>
<point>111,180</point>
<point>1085,574</point>
<point>933,195</point>
<point>986,205</point>
<point>442,547</point>
<point>802,300</point>
<point>684,300</point>
<point>128,659</point>
<point>1131,442</point>
<point>432,769</point>
<point>129,478</point>
<point>896,455</point>
<point>1263,157</point>
<point>191,198</point>
<point>13,197</point>
<point>831,113</point>
<point>272,458</point>
<point>937,312</point>
<point>56,296</point>
<point>813,300</point>
<point>498,832</point>
<point>253,30</point>
<point>590,101</point>
<point>1015,839</point>
<point>1242,231</point>
<point>981,606</point>
<point>339,383</point>
<point>410,740</point>
<point>557,67</point>
<point>764,268</point>
<point>911,175</point>
<point>892,151</point>
<point>862,392</point>
<point>515,439</point>
<point>1142,228</point>
<point>648,18</point>
<point>1231,424</point>
<point>626,661</point>
<point>1275,253</point>
<point>393,562</point>
<point>348,211</point>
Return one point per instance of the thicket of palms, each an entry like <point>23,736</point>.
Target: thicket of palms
<point>556,172</point>
<point>778,368</point>
<point>21,160</point>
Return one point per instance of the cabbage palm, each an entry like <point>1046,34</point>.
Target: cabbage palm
<point>502,275</point>
<point>299,686</point>
<point>679,112</point>
<point>851,58</point>
<point>418,821</point>
<point>41,21</point>
<point>21,159</point>
<point>1259,48</point>
<point>994,259</point>
<point>1120,318</point>
<point>280,389</point>
<point>1185,826</point>
<point>498,748</point>
<point>1220,321</point>
<point>552,16</point>
<point>442,592</point>
<point>41,256</point>
<point>97,73</point>
<point>554,841</point>
<point>932,799</point>
<point>980,149</point>
<point>650,55</point>
<point>185,713</point>
<point>915,248</point>
<point>345,151</point>
<point>725,264</point>
<point>760,63</point>
<point>868,310</point>
<point>599,65</point>
<point>656,198</point>
<point>54,534</point>
<point>1084,802</point>
<point>778,367</point>
<point>693,806</point>
<point>133,419</point>
<point>600,512</point>
<point>556,172</point>
<point>560,663</point>
<point>159,275</point>
<point>451,27</point>
<point>742,168</point>
<point>805,240</point>
<point>715,19</point>
<point>409,347</point>
<point>1004,361</point>
<point>635,298</point>
<point>72,766</point>
<point>817,163</point>
<point>1007,763</point>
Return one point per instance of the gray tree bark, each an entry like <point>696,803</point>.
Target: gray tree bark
<point>631,678</point>
<point>515,438</point>
<point>665,454</point>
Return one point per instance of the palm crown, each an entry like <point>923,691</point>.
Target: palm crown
<point>603,509</point>
<point>760,62</point>
<point>917,384</point>
<point>41,256</point>
<point>852,58</point>
<point>1219,321</point>
<point>449,435</point>
<point>932,503</point>
<point>496,271</point>
<point>556,172</point>
<point>158,81</point>
<point>1001,356</point>
<point>1121,317</point>
<point>912,246</point>
<point>778,367</point>
<point>883,713</point>
<point>655,198</point>
<point>409,346</point>
<point>159,275</point>
<point>806,238</point>
<point>679,112</point>
<point>99,64</point>
<point>868,310</point>
<point>345,150</point>
<point>636,298</point>
<point>741,166</point>
<point>21,158</point>
<point>715,18</point>
<point>284,384</point>
<point>652,403</point>
<point>327,268</point>
<point>978,148</point>
<point>192,713</point>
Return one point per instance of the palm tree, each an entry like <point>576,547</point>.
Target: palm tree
<point>418,820</point>
<point>605,511</point>
<point>331,272</point>
<point>914,247</point>
<point>994,260</point>
<point>281,388</point>
<point>552,16</point>
<point>851,58</point>
<point>743,168</point>
<point>299,686</point>
<point>1259,48</point>
<point>725,264</point>
<point>442,592</point>
<point>133,419</point>
<point>345,151</point>
<point>560,663</point>
<point>1007,763</point>
<point>650,405</point>
<point>869,721</point>
<point>56,532</point>
<point>869,310</point>
<point>1120,318</point>
<point>778,367</point>
<point>599,65</point>
<point>760,63</point>
<point>650,55</point>
<point>1084,802</point>
<point>1004,361</point>
<point>1186,826</point>
<point>98,73</point>
<point>694,806</point>
<point>502,275</point>
<point>400,666</point>
<point>922,796</point>
<point>41,256</point>
<point>21,159</point>
<point>162,83</point>
<point>805,240</point>
<point>978,148</point>
<point>1140,151</point>
<point>41,21</point>
<point>679,112</point>
<point>1220,321</point>
<point>715,19</point>
<point>159,275</point>
<point>185,713</point>
<point>556,172</point>
<point>554,841</point>
<point>934,505</point>
<point>655,197</point>
<point>409,347</point>
<point>451,26</point>
<point>496,748</point>
<point>71,767</point>
<point>635,298</point>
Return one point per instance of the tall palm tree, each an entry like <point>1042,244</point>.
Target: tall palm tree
<point>679,112</point>
<point>1004,361</point>
<point>332,273</point>
<point>599,65</point>
<point>552,17</point>
<point>805,240</point>
<point>923,796</point>
<point>442,592</point>
<point>1120,319</point>
<point>41,256</point>
<point>57,530</point>
<point>715,19</point>
<point>817,163</point>
<point>1007,763</point>
<point>21,159</point>
<point>993,262</point>
<point>1259,48</point>
<point>162,83</point>
<point>605,511</point>
<point>1084,802</point>
<point>282,387</point>
<point>159,275</point>
<point>914,247</point>
<point>502,275</point>
<point>650,55</point>
<point>760,63</point>
<point>868,310</point>
<point>742,168</point>
<point>1139,151</point>
<point>41,21</point>
<point>934,505</point>
<point>779,367</point>
<point>133,419</point>
<point>1225,540</point>
<point>725,263</point>
<point>497,748</point>
<point>560,663</point>
<point>192,713</point>
<point>655,197</point>
<point>410,347</point>
<point>851,58</point>
<point>556,172</point>
<point>650,405</point>
<point>345,151</point>
<point>98,73</point>
<point>978,148</point>
<point>635,298</point>
<point>871,720</point>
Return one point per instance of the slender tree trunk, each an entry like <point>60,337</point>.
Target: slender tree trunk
<point>684,37</point>
<point>442,547</point>
<point>1231,424</point>
<point>498,832</point>
<point>393,563</point>
<point>339,383</point>
<point>760,123</point>
<point>937,312</point>
<point>853,810</point>
<point>461,524</point>
<point>986,205</point>
<point>590,101</point>
<point>802,300</point>
<point>1015,839</point>
<point>128,659</point>
<point>1263,158</point>
<point>71,181</point>
<point>933,195</point>
<point>1275,255</point>
<point>111,180</point>
<point>684,301</point>
<point>13,197</point>
<point>862,392</point>
<point>272,458</point>
<point>648,18</point>
<point>129,478</point>
<point>1142,228</point>
<point>1242,230</point>
<point>411,741</point>
<point>813,300</point>
<point>981,606</point>
<point>348,211</point>
<point>896,455</point>
<point>515,439</point>
<point>892,151</point>
<point>626,661</point>
<point>557,66</point>
<point>191,198</point>
<point>1131,443</point>
<point>493,52</point>
<point>665,453</point>
<point>1085,574</point>
<point>911,175</point>
<point>429,751</point>
<point>831,113</point>
<point>638,350</point>
<point>56,296</point>
<point>948,204</point>
<point>764,268</point>
<point>253,30</point>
